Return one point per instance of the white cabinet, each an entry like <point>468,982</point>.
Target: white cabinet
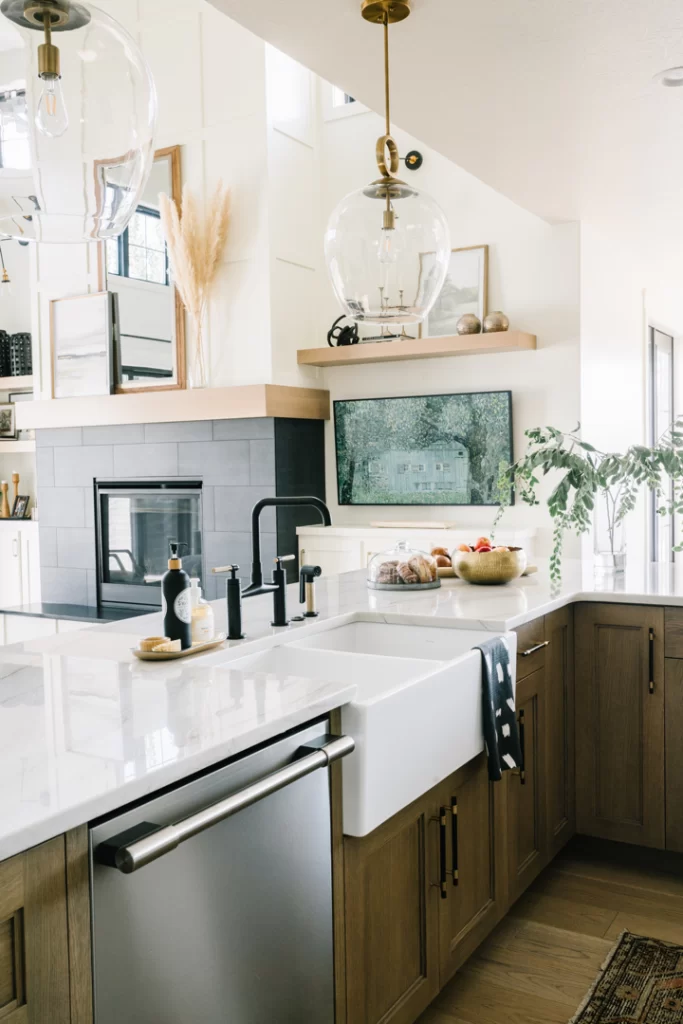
<point>15,629</point>
<point>339,549</point>
<point>19,563</point>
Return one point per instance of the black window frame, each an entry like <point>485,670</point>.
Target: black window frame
<point>123,251</point>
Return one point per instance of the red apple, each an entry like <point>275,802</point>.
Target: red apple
<point>483,549</point>
<point>483,542</point>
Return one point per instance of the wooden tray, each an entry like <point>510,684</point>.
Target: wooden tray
<point>219,639</point>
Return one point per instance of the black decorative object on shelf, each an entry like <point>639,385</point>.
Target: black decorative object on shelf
<point>21,360</point>
<point>4,354</point>
<point>338,336</point>
<point>413,160</point>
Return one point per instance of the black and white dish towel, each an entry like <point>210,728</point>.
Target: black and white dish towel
<point>501,732</point>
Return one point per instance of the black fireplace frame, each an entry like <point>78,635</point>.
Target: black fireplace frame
<point>122,595</point>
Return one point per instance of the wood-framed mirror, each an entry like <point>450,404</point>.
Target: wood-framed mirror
<point>149,334</point>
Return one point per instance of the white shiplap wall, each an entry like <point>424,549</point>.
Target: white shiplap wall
<point>246,114</point>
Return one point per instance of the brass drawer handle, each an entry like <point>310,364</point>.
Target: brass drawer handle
<point>532,650</point>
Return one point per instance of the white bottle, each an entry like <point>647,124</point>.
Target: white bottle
<point>203,626</point>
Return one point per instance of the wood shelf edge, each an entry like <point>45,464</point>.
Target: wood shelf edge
<point>248,401</point>
<point>418,348</point>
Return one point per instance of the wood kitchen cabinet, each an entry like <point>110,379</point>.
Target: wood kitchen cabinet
<point>560,788</point>
<point>392,896</point>
<point>620,754</point>
<point>673,716</point>
<point>45,969</point>
<point>473,866</point>
<point>526,788</point>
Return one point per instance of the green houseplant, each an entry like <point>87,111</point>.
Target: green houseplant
<point>589,476</point>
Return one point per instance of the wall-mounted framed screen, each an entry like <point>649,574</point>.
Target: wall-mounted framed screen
<point>424,449</point>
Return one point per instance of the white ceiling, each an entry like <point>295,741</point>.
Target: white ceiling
<point>551,102</point>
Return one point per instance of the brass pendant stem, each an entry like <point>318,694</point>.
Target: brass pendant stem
<point>48,54</point>
<point>387,108</point>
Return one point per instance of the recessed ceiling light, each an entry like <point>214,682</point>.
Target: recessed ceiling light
<point>672,78</point>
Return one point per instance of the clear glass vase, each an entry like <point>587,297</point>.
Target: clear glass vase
<point>197,377</point>
<point>609,538</point>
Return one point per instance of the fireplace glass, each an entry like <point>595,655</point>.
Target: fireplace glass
<point>136,522</point>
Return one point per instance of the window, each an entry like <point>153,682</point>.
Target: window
<point>14,134</point>
<point>140,252</point>
<point>661,403</point>
<point>419,467</point>
<point>340,98</point>
<point>442,467</point>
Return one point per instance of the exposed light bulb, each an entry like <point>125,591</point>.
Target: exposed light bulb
<point>388,251</point>
<point>6,287</point>
<point>52,118</point>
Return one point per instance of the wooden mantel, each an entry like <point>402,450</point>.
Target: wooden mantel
<point>245,402</point>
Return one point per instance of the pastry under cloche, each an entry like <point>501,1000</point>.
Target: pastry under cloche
<point>403,568</point>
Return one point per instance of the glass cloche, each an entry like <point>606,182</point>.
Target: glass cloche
<point>403,568</point>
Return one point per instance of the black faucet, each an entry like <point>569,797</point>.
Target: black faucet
<point>257,586</point>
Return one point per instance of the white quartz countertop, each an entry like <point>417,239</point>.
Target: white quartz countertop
<point>86,728</point>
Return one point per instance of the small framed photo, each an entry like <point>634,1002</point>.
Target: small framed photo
<point>20,507</point>
<point>465,290</point>
<point>8,423</point>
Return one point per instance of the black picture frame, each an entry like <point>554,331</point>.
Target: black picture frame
<point>342,497</point>
<point>20,506</point>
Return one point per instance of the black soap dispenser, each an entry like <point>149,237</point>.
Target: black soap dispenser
<point>176,601</point>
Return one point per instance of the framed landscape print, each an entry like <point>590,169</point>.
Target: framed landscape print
<point>465,290</point>
<point>424,450</point>
<point>8,429</point>
<point>82,345</point>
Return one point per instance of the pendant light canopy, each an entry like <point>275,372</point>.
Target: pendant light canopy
<point>77,122</point>
<point>387,245</point>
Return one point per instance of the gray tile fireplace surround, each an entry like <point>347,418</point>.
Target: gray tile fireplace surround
<point>238,461</point>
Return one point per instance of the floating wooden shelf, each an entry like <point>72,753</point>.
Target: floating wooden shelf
<point>17,447</point>
<point>418,348</point>
<point>245,402</point>
<point>16,383</point>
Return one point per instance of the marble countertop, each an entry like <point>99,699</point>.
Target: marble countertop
<point>85,728</point>
<point>71,612</point>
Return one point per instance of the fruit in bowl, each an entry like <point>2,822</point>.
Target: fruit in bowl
<point>486,565</point>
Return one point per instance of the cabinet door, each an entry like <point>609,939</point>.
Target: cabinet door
<point>526,789</point>
<point>10,560</point>
<point>30,563</point>
<point>470,809</point>
<point>392,910</point>
<point>559,715</point>
<point>620,722</point>
<point>34,966</point>
<point>334,555</point>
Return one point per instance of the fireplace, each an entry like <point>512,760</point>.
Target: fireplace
<point>135,522</point>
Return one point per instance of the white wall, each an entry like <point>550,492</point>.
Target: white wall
<point>15,309</point>
<point>533,277</point>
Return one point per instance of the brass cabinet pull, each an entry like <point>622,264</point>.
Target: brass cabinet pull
<point>651,684</point>
<point>454,837</point>
<point>536,647</point>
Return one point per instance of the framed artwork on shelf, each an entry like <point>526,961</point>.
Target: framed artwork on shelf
<point>465,290</point>
<point>424,449</point>
<point>8,423</point>
<point>20,507</point>
<point>82,345</point>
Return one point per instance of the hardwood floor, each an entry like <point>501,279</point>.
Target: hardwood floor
<point>538,964</point>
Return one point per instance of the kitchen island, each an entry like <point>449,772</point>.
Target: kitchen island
<point>86,729</point>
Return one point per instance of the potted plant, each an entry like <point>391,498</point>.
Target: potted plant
<point>592,480</point>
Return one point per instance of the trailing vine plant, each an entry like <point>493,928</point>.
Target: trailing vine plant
<point>589,475</point>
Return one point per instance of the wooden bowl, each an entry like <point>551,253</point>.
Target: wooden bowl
<point>491,567</point>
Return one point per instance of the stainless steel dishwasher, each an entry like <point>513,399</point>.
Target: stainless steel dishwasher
<point>212,903</point>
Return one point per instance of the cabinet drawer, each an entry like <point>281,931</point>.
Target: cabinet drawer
<point>673,632</point>
<point>531,647</point>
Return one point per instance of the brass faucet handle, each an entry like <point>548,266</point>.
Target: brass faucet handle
<point>283,558</point>
<point>227,568</point>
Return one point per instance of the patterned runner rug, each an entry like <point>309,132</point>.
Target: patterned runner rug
<point>641,982</point>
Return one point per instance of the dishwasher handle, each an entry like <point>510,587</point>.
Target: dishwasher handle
<point>155,841</point>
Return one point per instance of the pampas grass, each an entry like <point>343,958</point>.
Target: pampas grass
<point>195,245</point>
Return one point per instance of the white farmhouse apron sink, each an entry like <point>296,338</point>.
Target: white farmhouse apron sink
<point>417,714</point>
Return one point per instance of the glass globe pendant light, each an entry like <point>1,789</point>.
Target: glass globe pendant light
<point>76,158</point>
<point>387,245</point>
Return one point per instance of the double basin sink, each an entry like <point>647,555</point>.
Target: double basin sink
<point>417,714</point>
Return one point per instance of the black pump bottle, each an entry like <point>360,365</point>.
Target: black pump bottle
<point>176,601</point>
